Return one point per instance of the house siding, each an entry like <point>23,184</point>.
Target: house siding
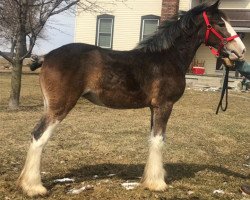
<point>184,5</point>
<point>241,4</point>
<point>246,41</point>
<point>127,22</point>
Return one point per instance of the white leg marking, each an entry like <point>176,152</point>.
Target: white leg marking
<point>30,178</point>
<point>154,173</point>
<point>45,101</point>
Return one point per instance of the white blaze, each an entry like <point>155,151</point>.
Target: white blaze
<point>239,47</point>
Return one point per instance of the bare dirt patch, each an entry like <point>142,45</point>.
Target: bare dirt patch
<point>204,152</point>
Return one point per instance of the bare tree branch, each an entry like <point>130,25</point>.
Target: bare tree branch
<point>6,57</point>
<point>65,8</point>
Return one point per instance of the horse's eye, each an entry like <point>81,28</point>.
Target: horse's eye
<point>221,24</point>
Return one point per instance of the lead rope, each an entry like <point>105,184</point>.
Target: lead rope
<point>223,92</point>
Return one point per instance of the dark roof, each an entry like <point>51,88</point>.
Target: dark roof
<point>238,17</point>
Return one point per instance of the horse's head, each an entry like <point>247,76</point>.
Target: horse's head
<point>218,33</point>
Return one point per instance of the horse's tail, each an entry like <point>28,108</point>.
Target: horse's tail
<point>37,62</point>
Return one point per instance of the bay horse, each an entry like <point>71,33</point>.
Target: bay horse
<point>150,75</point>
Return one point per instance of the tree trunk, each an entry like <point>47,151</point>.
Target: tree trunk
<point>21,50</point>
<point>16,77</point>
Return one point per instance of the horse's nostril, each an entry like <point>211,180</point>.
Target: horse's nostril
<point>244,50</point>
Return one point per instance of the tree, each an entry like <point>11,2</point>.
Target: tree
<point>21,23</point>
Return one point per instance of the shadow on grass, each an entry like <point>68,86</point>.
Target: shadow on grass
<point>176,171</point>
<point>30,108</point>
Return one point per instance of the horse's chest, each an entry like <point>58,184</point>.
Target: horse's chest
<point>171,88</point>
<point>117,92</point>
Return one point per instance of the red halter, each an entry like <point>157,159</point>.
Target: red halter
<point>223,40</point>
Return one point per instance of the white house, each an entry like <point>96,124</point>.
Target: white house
<point>123,25</point>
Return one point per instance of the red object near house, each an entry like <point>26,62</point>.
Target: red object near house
<point>198,70</point>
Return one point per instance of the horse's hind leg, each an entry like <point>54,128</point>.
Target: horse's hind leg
<point>59,100</point>
<point>30,178</point>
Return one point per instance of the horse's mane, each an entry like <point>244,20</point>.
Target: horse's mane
<point>171,29</point>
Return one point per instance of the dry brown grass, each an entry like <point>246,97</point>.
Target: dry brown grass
<point>204,151</point>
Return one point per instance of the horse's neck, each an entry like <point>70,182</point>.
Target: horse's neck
<point>185,49</point>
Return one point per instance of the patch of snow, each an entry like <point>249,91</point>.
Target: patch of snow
<point>110,175</point>
<point>211,89</point>
<point>95,176</point>
<point>198,89</point>
<point>63,180</point>
<point>219,191</point>
<point>130,185</point>
<point>190,192</point>
<point>78,191</point>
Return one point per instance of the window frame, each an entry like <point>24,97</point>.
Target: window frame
<point>104,16</point>
<point>147,17</point>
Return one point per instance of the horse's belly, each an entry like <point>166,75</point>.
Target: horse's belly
<point>117,99</point>
<point>94,98</point>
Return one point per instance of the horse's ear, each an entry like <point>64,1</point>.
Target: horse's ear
<point>215,6</point>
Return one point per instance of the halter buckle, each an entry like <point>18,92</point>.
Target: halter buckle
<point>224,41</point>
<point>209,27</point>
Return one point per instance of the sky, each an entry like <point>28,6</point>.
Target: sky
<point>59,31</point>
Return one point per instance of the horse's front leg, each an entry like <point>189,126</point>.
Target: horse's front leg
<point>154,173</point>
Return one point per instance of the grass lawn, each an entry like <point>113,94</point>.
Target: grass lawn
<point>204,152</point>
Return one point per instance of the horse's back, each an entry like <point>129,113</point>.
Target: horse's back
<point>68,56</point>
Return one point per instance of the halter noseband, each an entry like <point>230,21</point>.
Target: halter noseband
<point>223,40</point>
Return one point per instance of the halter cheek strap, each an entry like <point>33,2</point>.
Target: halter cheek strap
<point>223,40</point>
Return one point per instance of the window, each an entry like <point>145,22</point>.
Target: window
<point>104,31</point>
<point>149,25</point>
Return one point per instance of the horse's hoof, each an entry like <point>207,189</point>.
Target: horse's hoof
<point>37,191</point>
<point>155,185</point>
<point>33,190</point>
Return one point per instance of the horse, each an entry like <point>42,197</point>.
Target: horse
<point>150,75</point>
